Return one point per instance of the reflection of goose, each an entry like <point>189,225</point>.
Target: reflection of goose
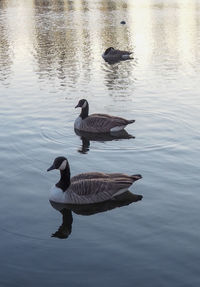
<point>88,209</point>
<point>113,55</point>
<point>66,227</point>
<point>102,137</point>
<point>98,123</point>
<point>86,188</point>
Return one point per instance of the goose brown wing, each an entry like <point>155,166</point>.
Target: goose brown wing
<point>101,175</point>
<point>103,122</point>
<point>120,52</point>
<point>89,175</point>
<point>103,186</point>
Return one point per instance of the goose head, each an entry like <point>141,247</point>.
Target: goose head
<point>61,163</point>
<point>83,104</point>
<point>108,50</point>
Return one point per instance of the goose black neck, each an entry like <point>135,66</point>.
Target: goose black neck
<point>64,181</point>
<point>84,112</point>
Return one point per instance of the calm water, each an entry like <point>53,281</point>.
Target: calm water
<point>50,57</point>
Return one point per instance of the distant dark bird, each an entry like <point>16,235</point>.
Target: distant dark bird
<point>98,123</point>
<point>114,55</point>
<point>123,22</point>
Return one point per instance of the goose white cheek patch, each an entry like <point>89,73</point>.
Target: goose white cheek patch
<point>84,105</point>
<point>63,165</point>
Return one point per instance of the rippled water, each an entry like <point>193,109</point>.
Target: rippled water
<point>50,57</point>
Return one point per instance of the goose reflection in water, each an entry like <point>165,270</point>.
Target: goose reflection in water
<point>115,61</point>
<point>102,137</point>
<point>66,210</point>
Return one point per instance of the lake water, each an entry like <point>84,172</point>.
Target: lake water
<point>50,57</point>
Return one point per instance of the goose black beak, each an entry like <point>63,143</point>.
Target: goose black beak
<point>77,106</point>
<point>51,168</point>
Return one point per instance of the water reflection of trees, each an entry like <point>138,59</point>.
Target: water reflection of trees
<point>70,37</point>
<point>51,45</point>
<point>5,47</point>
<point>60,41</point>
<point>112,33</point>
<point>66,41</point>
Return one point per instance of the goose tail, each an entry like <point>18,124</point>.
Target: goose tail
<point>131,121</point>
<point>138,197</point>
<point>136,177</point>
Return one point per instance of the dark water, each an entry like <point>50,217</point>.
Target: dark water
<point>50,57</point>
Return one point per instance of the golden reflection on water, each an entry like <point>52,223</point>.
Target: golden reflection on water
<point>67,38</point>
<point>187,32</point>
<point>5,48</point>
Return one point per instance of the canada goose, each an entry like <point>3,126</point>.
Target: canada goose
<point>98,123</point>
<point>112,54</point>
<point>86,188</point>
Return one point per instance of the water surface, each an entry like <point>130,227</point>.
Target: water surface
<point>50,57</point>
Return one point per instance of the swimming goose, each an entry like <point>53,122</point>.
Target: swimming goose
<point>86,188</point>
<point>112,54</point>
<point>98,123</point>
